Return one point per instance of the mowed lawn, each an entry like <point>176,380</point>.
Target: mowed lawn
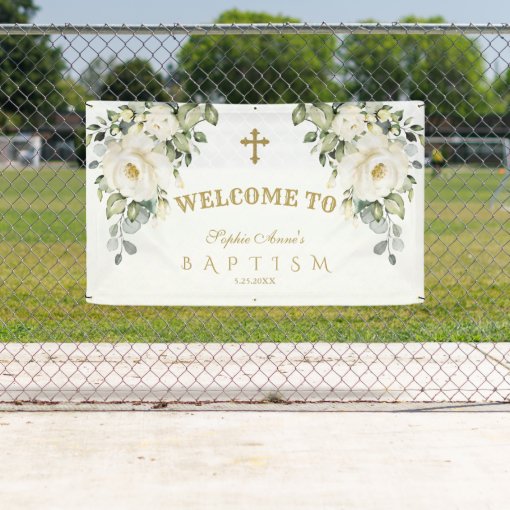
<point>42,274</point>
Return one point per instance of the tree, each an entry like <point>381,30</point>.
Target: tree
<point>258,68</point>
<point>448,72</point>
<point>134,80</point>
<point>501,92</point>
<point>93,78</point>
<point>30,66</point>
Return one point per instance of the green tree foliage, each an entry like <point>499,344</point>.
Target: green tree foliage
<point>501,93</point>
<point>29,69</point>
<point>258,68</point>
<point>134,80</point>
<point>94,76</point>
<point>446,71</point>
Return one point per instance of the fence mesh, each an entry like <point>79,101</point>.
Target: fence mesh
<point>56,347</point>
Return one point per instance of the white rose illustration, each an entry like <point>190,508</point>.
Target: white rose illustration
<point>384,115</point>
<point>162,122</point>
<point>378,168</point>
<point>348,122</point>
<point>132,168</point>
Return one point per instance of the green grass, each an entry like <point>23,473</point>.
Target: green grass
<point>42,271</point>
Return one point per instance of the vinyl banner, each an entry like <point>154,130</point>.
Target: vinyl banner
<point>298,204</point>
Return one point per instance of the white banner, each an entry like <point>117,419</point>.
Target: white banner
<point>255,205</point>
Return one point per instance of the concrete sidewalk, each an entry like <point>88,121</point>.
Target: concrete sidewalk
<point>254,460</point>
<point>405,372</point>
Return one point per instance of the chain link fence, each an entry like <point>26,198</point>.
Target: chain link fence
<point>55,347</point>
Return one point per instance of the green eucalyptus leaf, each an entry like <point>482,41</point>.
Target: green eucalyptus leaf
<point>99,150</point>
<point>112,244</point>
<point>200,137</point>
<point>397,230</point>
<point>131,227</point>
<point>114,229</point>
<point>298,114</point>
<point>93,165</point>
<point>359,205</point>
<point>190,118</point>
<point>377,211</point>
<point>379,227</point>
<point>103,185</point>
<point>112,116</point>
<point>318,117</point>
<point>392,259</point>
<point>129,247</point>
<point>150,205</point>
<point>118,259</point>
<point>394,204</point>
<point>113,198</point>
<point>143,216</point>
<point>407,185</point>
<point>340,151</point>
<point>329,142</point>
<point>170,151</point>
<point>322,159</point>
<point>366,215</point>
<point>397,244</point>
<point>311,136</point>
<point>117,208</point>
<point>211,114</point>
<point>397,116</point>
<point>181,142</point>
<point>380,247</point>
<point>327,109</point>
<point>132,211</point>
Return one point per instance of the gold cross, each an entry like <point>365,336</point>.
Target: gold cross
<point>254,141</point>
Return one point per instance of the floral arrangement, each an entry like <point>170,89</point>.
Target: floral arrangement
<point>138,148</point>
<point>371,150</point>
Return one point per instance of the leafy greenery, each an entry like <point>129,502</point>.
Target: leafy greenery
<point>29,69</point>
<point>258,68</point>
<point>176,145</point>
<point>446,71</point>
<point>134,80</point>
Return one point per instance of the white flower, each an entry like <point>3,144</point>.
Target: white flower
<point>383,115</point>
<point>131,167</point>
<point>161,122</point>
<point>126,115</point>
<point>375,129</point>
<point>378,168</point>
<point>348,122</point>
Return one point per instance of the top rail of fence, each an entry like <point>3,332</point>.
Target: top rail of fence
<point>260,28</point>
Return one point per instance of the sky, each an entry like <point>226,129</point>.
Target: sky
<point>204,11</point>
<point>80,51</point>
